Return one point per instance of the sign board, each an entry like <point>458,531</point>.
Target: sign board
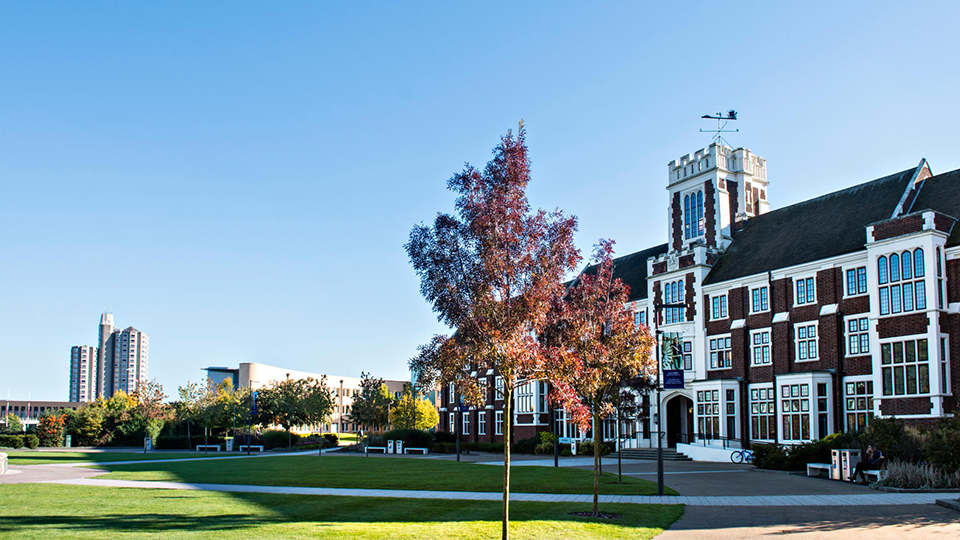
<point>673,378</point>
<point>253,403</point>
<point>573,447</point>
<point>464,408</point>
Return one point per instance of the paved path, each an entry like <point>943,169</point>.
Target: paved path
<point>871,499</point>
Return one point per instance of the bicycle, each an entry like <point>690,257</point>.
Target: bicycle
<point>742,456</point>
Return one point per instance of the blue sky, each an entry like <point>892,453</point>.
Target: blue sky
<point>238,179</point>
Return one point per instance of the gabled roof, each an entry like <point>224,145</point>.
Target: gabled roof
<point>941,193</point>
<point>631,270</point>
<point>819,228</point>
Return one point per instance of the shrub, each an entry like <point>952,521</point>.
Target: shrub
<point>895,439</point>
<point>585,448</point>
<point>770,456</point>
<point>11,441</point>
<point>415,438</point>
<point>525,446</point>
<point>444,447</point>
<point>51,429</point>
<point>275,438</point>
<point>566,452</point>
<point>913,476</point>
<point>444,436</point>
<point>943,444</point>
<point>494,448</point>
<point>332,438</point>
<point>544,448</point>
<point>31,441</point>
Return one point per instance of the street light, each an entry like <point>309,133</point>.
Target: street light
<point>657,308</point>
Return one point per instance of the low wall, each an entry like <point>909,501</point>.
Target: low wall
<point>699,452</point>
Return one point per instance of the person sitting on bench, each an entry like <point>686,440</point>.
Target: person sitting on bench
<point>874,461</point>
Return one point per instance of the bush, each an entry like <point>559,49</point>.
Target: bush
<point>444,436</point>
<point>444,447</point>
<point>525,446</point>
<point>585,448</point>
<point>11,441</point>
<point>275,438</point>
<point>770,456</point>
<point>566,452</point>
<point>31,441</point>
<point>943,444</point>
<point>914,476</point>
<point>494,448</point>
<point>895,439</point>
<point>332,438</point>
<point>414,438</point>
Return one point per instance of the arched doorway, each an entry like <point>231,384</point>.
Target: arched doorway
<point>679,420</point>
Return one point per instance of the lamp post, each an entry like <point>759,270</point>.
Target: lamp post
<point>657,308</point>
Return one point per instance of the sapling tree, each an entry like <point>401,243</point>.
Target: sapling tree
<point>491,271</point>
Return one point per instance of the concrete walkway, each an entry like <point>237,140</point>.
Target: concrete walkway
<point>871,499</point>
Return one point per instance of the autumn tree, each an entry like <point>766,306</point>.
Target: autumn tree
<point>592,336</point>
<point>187,408</point>
<point>12,424</point>
<point>294,402</point>
<point>491,271</point>
<point>371,407</point>
<point>413,412</point>
<point>150,410</point>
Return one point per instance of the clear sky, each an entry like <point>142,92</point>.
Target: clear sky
<point>237,179</point>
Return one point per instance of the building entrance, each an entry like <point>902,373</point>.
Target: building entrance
<point>679,421</point>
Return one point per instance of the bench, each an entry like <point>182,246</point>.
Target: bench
<point>208,447</point>
<point>257,447</point>
<point>814,469</point>
<point>369,448</point>
<point>422,450</point>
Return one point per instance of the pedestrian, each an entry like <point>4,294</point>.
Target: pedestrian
<point>873,462</point>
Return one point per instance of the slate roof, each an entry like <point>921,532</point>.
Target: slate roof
<point>632,270</point>
<point>941,193</point>
<point>814,229</point>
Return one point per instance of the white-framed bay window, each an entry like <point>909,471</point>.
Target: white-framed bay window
<point>763,412</point>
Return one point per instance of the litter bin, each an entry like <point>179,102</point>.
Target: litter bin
<point>389,447</point>
<point>399,447</point>
<point>69,441</point>
<point>845,461</point>
<point>229,442</point>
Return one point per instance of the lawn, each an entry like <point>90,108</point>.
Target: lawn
<point>380,473</point>
<point>44,511</point>
<point>43,458</point>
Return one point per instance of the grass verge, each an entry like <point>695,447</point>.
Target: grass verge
<point>43,511</point>
<point>45,458</point>
<point>381,473</point>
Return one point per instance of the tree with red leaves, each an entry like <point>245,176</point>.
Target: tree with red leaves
<point>596,346</point>
<point>491,272</point>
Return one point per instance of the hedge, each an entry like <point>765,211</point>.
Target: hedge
<point>11,441</point>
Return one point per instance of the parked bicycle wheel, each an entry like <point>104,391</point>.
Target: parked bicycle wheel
<point>736,456</point>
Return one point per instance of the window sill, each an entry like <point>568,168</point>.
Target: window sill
<point>719,368</point>
<point>807,360</point>
<point>768,364</point>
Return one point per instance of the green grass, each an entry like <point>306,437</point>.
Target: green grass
<point>42,458</point>
<point>381,473</point>
<point>347,438</point>
<point>45,511</point>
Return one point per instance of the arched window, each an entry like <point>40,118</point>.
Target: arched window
<point>882,269</point>
<point>918,263</point>
<point>894,267</point>
<point>686,216</point>
<point>700,213</point>
<point>907,264</point>
<point>680,291</point>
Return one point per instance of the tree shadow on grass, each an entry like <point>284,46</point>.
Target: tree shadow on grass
<point>117,523</point>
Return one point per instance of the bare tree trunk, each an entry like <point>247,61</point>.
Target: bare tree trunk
<point>596,458</point>
<point>189,440</point>
<point>507,427</point>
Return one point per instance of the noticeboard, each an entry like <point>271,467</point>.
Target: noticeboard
<point>673,378</point>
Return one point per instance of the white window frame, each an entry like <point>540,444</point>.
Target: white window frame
<point>904,365</point>
<point>719,308</point>
<point>498,385</point>
<point>846,282</point>
<point>768,402</point>
<point>860,333</point>
<point>498,423</point>
<point>481,422</point>
<point>804,342</point>
<point>868,396</point>
<point>796,288</point>
<point>804,403</point>
<point>758,290</point>
<point>754,345</point>
<point>465,423</point>
<point>711,350</point>
<point>453,422</point>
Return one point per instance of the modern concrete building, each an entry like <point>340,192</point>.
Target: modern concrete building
<point>30,411</point>
<point>796,322</point>
<point>254,376</point>
<point>83,373</point>
<point>120,362</point>
<point>131,349</point>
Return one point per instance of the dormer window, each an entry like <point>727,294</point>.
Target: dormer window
<point>693,225</point>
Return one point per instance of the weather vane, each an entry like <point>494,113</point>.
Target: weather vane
<point>722,120</point>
